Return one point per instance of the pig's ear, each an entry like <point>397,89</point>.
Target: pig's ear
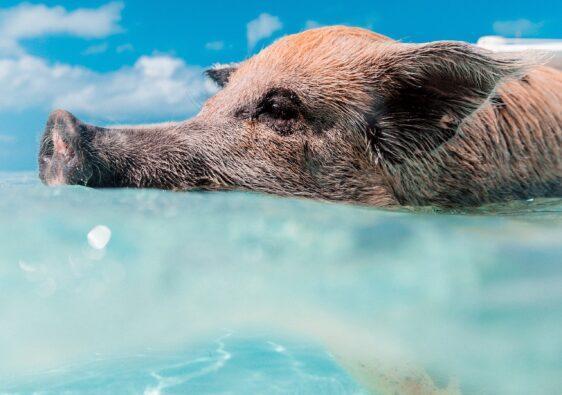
<point>221,73</point>
<point>426,91</point>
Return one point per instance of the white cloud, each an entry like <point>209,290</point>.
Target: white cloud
<point>96,49</point>
<point>155,86</point>
<point>6,139</point>
<point>517,28</point>
<point>27,20</point>
<point>215,45</point>
<point>124,48</point>
<point>262,27</point>
<point>310,24</point>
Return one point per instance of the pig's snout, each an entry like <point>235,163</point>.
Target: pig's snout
<point>63,156</point>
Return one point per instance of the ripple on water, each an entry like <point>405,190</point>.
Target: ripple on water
<point>230,364</point>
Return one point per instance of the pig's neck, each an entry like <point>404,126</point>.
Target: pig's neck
<point>511,149</point>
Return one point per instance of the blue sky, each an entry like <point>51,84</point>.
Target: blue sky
<point>142,61</point>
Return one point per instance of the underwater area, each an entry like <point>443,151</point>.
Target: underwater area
<point>155,292</point>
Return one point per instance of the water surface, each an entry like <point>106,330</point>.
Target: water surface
<point>243,293</point>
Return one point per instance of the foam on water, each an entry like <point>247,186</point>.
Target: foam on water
<point>221,292</point>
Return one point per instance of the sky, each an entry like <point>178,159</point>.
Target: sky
<point>114,62</point>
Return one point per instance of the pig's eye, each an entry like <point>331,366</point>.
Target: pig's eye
<point>279,108</point>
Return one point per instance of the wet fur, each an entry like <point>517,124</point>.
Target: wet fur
<point>379,123</point>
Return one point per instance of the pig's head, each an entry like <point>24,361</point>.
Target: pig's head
<point>322,114</point>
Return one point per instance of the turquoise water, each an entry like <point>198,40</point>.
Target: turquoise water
<point>241,293</point>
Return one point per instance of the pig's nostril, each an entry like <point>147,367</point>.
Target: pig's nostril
<point>59,146</point>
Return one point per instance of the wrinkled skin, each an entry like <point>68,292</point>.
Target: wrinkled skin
<point>341,114</point>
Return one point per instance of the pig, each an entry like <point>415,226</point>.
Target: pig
<point>342,114</point>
